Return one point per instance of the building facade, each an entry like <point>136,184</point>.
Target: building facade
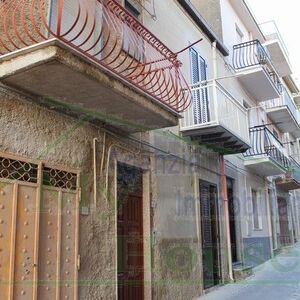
<point>149,150</point>
<point>260,179</point>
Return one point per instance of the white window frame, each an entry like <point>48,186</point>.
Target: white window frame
<point>200,102</point>
<point>239,34</point>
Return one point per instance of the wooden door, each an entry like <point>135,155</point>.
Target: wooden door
<point>284,236</point>
<point>130,248</point>
<point>232,219</point>
<point>39,219</point>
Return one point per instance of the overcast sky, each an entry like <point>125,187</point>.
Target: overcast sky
<point>286,14</point>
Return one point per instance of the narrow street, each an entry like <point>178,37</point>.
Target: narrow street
<point>277,279</point>
<point>147,148</point>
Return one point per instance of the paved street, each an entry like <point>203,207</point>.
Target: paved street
<point>277,279</point>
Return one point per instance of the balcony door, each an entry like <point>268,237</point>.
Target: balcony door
<point>200,96</point>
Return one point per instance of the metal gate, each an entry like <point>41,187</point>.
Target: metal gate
<point>38,231</point>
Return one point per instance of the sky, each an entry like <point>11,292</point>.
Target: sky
<point>286,15</point>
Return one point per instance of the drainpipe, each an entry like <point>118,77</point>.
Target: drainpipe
<point>276,209</point>
<point>214,81</point>
<point>269,218</point>
<point>291,215</point>
<point>222,165</point>
<point>95,140</point>
<point>226,214</point>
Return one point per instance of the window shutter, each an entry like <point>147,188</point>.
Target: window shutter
<point>195,78</point>
<point>207,235</point>
<point>200,97</point>
<point>204,93</point>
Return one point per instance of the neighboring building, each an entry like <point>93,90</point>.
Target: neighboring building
<point>262,182</point>
<point>149,150</point>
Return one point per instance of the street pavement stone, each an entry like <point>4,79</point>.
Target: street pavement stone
<point>276,279</point>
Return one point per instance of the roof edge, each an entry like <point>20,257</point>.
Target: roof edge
<point>254,19</point>
<point>203,25</point>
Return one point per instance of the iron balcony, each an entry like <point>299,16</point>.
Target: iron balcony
<point>255,70</point>
<point>284,113</point>
<point>277,48</point>
<point>216,119</point>
<point>290,180</point>
<point>267,155</point>
<point>92,57</point>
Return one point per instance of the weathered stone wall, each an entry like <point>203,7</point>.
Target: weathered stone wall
<point>32,131</point>
<point>177,252</point>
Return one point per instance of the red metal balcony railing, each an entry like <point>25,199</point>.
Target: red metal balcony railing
<point>104,32</point>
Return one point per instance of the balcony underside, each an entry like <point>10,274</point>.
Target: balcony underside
<point>279,58</point>
<point>297,99</point>
<point>217,138</point>
<point>287,184</point>
<point>258,83</point>
<point>264,166</point>
<point>56,74</point>
<point>284,120</point>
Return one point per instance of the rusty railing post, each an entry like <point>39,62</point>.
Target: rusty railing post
<point>59,17</point>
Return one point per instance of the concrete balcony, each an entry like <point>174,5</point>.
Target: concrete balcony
<point>284,113</point>
<point>276,48</point>
<point>267,156</point>
<point>255,71</point>
<point>297,99</point>
<point>217,120</point>
<point>91,58</point>
<point>291,180</point>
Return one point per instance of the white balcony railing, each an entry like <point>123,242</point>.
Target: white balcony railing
<point>214,105</point>
<point>285,100</point>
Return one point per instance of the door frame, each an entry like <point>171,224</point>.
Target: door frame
<point>236,224</point>
<point>147,226</point>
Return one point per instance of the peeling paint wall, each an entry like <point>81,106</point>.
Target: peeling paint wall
<point>177,251</point>
<point>32,131</point>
